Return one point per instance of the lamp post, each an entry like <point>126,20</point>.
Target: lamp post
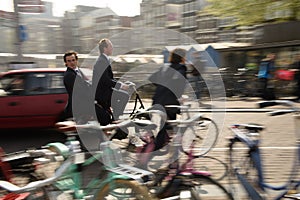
<point>18,42</point>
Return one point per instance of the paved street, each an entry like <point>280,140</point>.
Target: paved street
<point>278,140</point>
<point>18,140</point>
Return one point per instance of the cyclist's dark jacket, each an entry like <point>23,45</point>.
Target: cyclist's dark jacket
<point>170,83</point>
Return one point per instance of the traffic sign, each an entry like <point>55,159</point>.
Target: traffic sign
<point>31,9</point>
<point>30,2</point>
<point>23,34</point>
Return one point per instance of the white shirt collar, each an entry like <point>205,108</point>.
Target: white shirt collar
<point>106,56</point>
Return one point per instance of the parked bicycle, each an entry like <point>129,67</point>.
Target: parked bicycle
<point>247,166</point>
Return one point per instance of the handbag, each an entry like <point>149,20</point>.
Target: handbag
<point>285,74</point>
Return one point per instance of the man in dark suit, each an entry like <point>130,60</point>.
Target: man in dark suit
<point>104,82</point>
<point>74,79</point>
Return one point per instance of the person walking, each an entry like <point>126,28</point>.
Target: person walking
<point>266,73</point>
<point>170,82</point>
<point>296,66</point>
<point>103,83</point>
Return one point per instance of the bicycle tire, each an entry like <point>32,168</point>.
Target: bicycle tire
<point>213,165</point>
<point>37,194</point>
<point>123,189</point>
<point>206,188</point>
<point>41,193</point>
<point>204,135</point>
<point>240,161</point>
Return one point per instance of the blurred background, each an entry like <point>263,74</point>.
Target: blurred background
<point>233,35</point>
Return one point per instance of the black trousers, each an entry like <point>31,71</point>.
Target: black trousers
<point>267,92</point>
<point>298,87</point>
<point>104,115</point>
<point>162,137</point>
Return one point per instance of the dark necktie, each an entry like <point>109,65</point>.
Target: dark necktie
<point>78,73</point>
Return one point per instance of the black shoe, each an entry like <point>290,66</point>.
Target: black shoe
<point>120,134</point>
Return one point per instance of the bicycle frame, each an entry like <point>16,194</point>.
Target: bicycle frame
<point>72,180</point>
<point>137,99</point>
<point>180,177</point>
<point>243,135</point>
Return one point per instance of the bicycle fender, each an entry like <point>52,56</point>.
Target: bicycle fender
<point>59,148</point>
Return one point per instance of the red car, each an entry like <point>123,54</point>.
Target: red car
<point>31,98</point>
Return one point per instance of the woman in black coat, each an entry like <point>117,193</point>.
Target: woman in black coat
<point>170,82</point>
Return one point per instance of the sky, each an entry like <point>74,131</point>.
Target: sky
<point>120,7</point>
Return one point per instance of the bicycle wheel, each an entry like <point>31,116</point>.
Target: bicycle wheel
<point>240,163</point>
<point>37,194</point>
<point>123,189</point>
<point>200,138</point>
<point>214,165</point>
<point>207,188</point>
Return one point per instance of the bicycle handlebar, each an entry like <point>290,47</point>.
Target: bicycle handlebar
<point>264,104</point>
<point>70,126</point>
<point>286,103</point>
<point>184,107</point>
<point>40,183</point>
<point>103,128</point>
<point>280,112</point>
<point>186,121</point>
<point>121,124</point>
<point>146,114</point>
<point>129,83</point>
<point>241,136</point>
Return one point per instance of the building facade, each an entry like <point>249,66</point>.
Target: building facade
<point>185,21</point>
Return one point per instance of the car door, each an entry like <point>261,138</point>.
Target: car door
<point>38,105</point>
<point>46,98</point>
<point>11,100</point>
